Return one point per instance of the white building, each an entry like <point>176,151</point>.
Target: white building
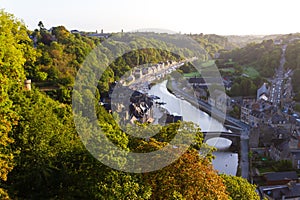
<point>263,92</point>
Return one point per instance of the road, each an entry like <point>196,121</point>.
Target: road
<point>243,129</point>
<point>215,113</point>
<point>142,83</point>
<point>277,83</point>
<point>238,125</point>
<point>244,161</point>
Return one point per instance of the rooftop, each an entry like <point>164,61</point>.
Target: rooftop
<point>278,176</point>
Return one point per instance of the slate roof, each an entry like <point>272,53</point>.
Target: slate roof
<point>257,114</point>
<point>290,190</point>
<point>262,90</point>
<point>278,118</point>
<point>278,176</point>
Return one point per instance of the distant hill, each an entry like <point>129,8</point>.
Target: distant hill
<point>242,40</point>
<point>213,43</point>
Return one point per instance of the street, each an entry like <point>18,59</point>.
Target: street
<point>277,82</point>
<point>238,125</point>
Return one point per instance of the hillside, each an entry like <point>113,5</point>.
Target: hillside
<point>42,155</point>
<point>242,40</point>
<point>264,57</point>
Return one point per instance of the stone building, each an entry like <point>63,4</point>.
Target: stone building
<point>219,100</point>
<point>263,92</point>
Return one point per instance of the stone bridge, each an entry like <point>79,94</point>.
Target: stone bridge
<point>235,138</point>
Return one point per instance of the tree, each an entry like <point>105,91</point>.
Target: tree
<point>243,86</point>
<point>239,188</point>
<point>13,43</point>
<point>118,185</point>
<point>295,83</point>
<point>264,57</point>
<point>236,112</point>
<point>44,131</point>
<point>7,118</point>
<point>61,34</point>
<point>238,70</point>
<point>235,90</point>
<point>41,154</point>
<point>41,25</point>
<point>189,177</point>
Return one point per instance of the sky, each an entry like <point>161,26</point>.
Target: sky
<point>223,17</point>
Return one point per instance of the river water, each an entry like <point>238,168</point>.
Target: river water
<point>225,162</point>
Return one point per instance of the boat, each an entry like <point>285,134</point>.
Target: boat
<point>160,103</point>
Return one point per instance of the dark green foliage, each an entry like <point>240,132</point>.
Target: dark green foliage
<point>235,112</point>
<point>283,165</point>
<point>293,56</point>
<point>293,62</point>
<point>213,43</point>
<point>42,155</point>
<point>239,188</point>
<point>14,50</point>
<point>265,57</point>
<point>243,87</point>
<point>296,84</point>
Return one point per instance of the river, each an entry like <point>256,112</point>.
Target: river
<point>225,162</point>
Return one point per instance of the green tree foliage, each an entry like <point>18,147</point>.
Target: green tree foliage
<point>7,118</point>
<point>293,62</point>
<point>118,185</point>
<point>293,55</point>
<point>59,55</point>
<point>188,178</point>
<point>243,86</point>
<point>283,165</point>
<point>44,132</point>
<point>213,43</point>
<point>41,154</point>
<point>239,188</point>
<point>242,40</point>
<point>53,163</point>
<point>14,39</point>
<point>235,112</point>
<point>265,57</point>
<point>13,52</point>
<point>296,84</point>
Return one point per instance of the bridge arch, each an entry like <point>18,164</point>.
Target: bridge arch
<point>234,138</point>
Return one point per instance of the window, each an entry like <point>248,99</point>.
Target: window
<point>298,164</point>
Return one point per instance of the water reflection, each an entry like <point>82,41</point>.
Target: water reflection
<point>222,144</point>
<point>181,107</point>
<point>225,162</point>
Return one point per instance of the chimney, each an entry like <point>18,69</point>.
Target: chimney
<point>27,84</point>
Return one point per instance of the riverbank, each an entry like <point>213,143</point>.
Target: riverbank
<point>225,162</point>
<point>243,164</point>
<point>203,106</point>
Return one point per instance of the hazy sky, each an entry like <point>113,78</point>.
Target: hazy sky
<point>196,16</point>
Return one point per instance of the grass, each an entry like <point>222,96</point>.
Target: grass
<point>263,170</point>
<point>208,63</point>
<point>230,63</point>
<point>191,75</point>
<point>203,65</point>
<point>227,70</point>
<point>297,107</point>
<point>251,72</point>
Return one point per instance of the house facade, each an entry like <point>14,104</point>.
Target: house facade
<point>219,100</point>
